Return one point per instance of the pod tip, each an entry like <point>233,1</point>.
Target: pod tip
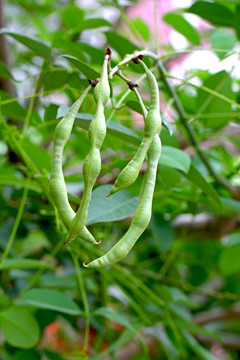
<point>108,52</point>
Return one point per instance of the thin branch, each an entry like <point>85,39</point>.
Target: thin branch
<point>84,300</point>
<point>16,224</point>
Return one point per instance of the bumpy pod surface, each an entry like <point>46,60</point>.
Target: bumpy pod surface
<point>141,217</point>
<point>57,184</point>
<point>92,163</point>
<point>152,126</point>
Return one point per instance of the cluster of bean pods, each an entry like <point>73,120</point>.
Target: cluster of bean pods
<point>150,146</point>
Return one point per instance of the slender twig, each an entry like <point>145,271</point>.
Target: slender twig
<point>123,97</point>
<point>43,93</point>
<point>16,223</point>
<point>84,300</point>
<point>189,51</point>
<point>32,101</point>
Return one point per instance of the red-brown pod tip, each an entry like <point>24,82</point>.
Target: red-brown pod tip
<point>132,85</point>
<point>135,60</point>
<point>108,52</point>
<point>93,83</point>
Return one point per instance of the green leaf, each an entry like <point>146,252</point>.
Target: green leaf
<point>120,131</point>
<point>52,355</point>
<point>95,54</point>
<point>55,79</point>
<point>89,72</point>
<point>207,103</point>
<point>39,156</point>
<point>25,264</point>
<point>220,39</point>
<point>122,45</point>
<point>163,233</point>
<point>14,180</point>
<point>123,339</point>
<point>196,329</point>
<point>72,15</point>
<point>134,105</point>
<point>215,13</point>
<point>117,207</point>
<point>51,300</point>
<point>69,47</point>
<point>180,24</point>
<point>234,238</point>
<point>230,205</point>
<point>38,46</point>
<point>19,328</point>
<point>26,354</point>
<point>114,316</point>
<point>175,158</point>
<point>229,260</point>
<point>93,24</point>
<point>4,71</point>
<point>142,28</point>
<point>197,179</point>
<point>199,350</point>
<point>12,110</point>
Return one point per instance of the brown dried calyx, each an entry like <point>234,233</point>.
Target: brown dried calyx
<point>132,85</point>
<point>93,83</point>
<point>135,60</point>
<point>108,52</point>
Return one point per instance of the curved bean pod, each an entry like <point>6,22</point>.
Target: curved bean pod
<point>152,126</point>
<point>57,184</point>
<point>141,217</point>
<point>92,163</point>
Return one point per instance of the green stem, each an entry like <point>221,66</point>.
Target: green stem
<point>84,300</point>
<point>32,102</point>
<point>123,97</point>
<point>47,92</point>
<point>170,259</point>
<point>16,223</point>
<point>189,51</point>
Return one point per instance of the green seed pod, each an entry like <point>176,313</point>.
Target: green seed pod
<point>92,163</point>
<point>152,126</point>
<point>141,217</point>
<point>57,184</point>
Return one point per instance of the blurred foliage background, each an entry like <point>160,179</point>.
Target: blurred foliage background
<point>176,295</point>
